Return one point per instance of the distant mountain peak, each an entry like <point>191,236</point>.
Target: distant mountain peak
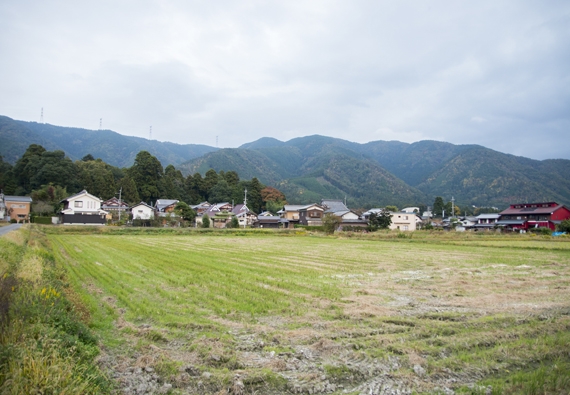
<point>264,142</point>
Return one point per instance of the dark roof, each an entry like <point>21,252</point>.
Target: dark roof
<point>531,210</point>
<point>161,204</point>
<point>239,208</point>
<point>335,205</point>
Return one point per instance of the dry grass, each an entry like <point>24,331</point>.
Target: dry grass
<point>411,315</point>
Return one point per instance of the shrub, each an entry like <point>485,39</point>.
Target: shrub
<point>564,226</point>
<point>42,220</point>
<point>205,221</point>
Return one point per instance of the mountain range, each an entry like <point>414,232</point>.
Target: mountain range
<point>309,168</point>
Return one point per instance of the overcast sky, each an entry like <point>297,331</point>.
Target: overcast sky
<point>494,73</point>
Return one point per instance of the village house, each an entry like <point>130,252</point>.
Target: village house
<point>115,206</point>
<point>290,214</point>
<point>403,221</point>
<point>347,217</point>
<point>400,220</point>
<point>525,216</point>
<point>311,215</point>
<point>142,211</point>
<point>164,207</point>
<point>15,207</point>
<point>82,209</point>
<point>244,215</point>
<point>486,221</point>
<point>213,210</point>
<point>268,221</point>
<point>201,208</point>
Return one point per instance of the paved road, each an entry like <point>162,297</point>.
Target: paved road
<point>9,228</point>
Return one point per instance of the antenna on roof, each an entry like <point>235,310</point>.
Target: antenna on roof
<point>42,116</point>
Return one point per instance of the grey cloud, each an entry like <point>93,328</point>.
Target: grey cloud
<point>490,73</point>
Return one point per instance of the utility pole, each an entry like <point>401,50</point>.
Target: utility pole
<point>120,206</point>
<point>245,205</point>
<point>452,207</point>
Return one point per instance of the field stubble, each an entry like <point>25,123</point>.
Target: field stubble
<point>271,315</point>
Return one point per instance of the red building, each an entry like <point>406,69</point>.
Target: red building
<point>524,216</point>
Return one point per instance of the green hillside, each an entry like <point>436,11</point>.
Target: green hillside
<point>15,139</point>
<point>481,176</point>
<point>309,168</point>
<point>112,147</point>
<point>415,162</point>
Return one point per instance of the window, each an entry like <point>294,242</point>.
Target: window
<point>405,227</point>
<point>78,203</point>
<point>405,217</point>
<point>140,211</point>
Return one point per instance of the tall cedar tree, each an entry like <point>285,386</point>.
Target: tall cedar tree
<point>147,174</point>
<point>27,166</point>
<point>97,178</point>
<point>129,192</point>
<point>8,182</point>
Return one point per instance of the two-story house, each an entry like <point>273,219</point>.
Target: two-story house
<point>403,221</point>
<point>486,221</point>
<point>82,209</point>
<point>15,207</point>
<point>311,215</point>
<point>290,214</point>
<point>524,216</point>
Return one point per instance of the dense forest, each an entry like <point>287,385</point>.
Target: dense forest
<point>50,176</point>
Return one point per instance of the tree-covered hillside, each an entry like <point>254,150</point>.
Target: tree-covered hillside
<point>113,148</point>
<point>314,167</point>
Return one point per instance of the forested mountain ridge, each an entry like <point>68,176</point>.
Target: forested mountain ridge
<point>472,174</point>
<point>111,147</point>
<point>309,168</point>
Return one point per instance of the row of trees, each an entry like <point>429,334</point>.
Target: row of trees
<point>50,176</point>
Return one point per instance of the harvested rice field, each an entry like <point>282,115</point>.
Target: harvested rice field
<point>307,314</point>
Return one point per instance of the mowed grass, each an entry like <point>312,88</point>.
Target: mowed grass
<point>460,312</point>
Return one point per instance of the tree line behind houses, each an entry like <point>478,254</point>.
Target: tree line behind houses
<point>50,176</point>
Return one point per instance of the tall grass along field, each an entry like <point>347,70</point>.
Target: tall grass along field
<point>300,313</point>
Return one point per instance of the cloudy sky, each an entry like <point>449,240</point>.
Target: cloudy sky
<point>495,73</point>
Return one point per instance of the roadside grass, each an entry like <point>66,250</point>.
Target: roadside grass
<point>44,347</point>
<point>304,312</point>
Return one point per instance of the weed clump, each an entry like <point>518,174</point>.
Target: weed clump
<point>44,347</point>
